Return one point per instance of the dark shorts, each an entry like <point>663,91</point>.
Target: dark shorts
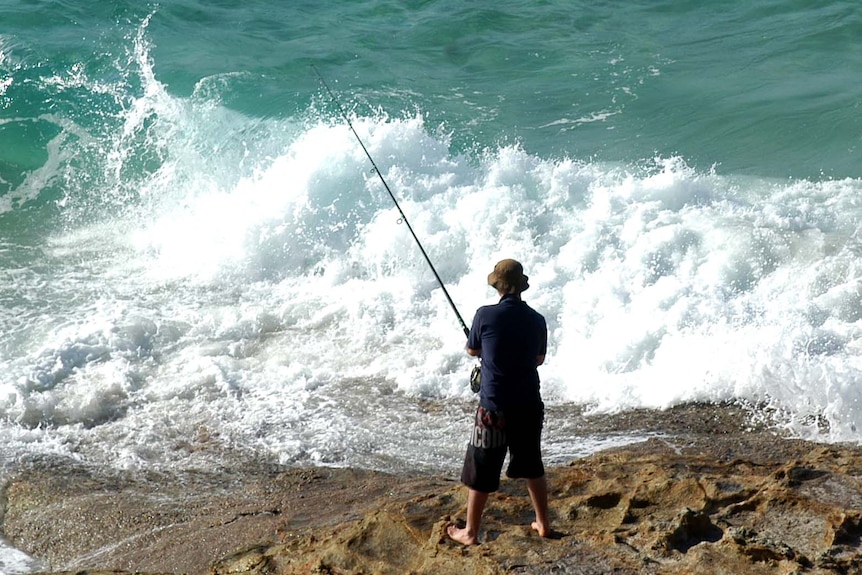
<point>495,433</point>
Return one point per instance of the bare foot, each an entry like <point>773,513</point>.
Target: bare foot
<point>462,536</point>
<point>542,530</point>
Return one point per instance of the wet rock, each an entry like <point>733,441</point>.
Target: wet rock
<point>707,504</point>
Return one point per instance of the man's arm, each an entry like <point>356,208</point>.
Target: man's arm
<point>474,352</point>
<point>539,360</point>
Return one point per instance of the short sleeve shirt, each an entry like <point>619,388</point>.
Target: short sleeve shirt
<point>510,335</point>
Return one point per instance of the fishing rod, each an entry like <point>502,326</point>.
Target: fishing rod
<point>394,200</point>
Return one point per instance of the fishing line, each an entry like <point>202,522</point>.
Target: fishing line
<point>391,195</point>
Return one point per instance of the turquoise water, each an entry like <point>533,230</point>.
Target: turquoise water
<point>195,258</point>
<point>758,88</point>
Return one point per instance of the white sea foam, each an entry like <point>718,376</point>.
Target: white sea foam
<point>261,292</point>
<point>244,310</point>
<point>15,562</point>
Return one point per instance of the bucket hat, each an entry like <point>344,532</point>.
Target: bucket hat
<point>508,277</point>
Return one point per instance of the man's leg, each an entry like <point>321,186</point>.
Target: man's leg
<point>481,472</point>
<point>476,501</point>
<point>538,489</point>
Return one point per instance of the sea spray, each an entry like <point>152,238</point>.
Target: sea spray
<point>661,284</point>
<point>188,272</point>
<point>196,265</point>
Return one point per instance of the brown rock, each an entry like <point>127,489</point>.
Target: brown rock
<point>728,505</point>
<point>652,508</point>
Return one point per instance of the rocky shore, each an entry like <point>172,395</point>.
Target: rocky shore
<point>702,497</point>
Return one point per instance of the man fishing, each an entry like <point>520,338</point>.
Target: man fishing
<point>511,338</point>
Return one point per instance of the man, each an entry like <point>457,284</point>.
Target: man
<point>511,338</point>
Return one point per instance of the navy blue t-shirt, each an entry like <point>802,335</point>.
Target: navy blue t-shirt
<point>511,335</point>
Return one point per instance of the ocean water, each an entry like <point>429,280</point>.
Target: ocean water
<point>198,264</point>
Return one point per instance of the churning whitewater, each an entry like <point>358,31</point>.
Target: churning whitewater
<point>198,265</point>
<point>287,310</point>
<point>187,276</point>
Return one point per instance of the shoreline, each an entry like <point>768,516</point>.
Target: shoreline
<point>693,498</point>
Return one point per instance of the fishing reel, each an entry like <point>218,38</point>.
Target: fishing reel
<point>476,379</point>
